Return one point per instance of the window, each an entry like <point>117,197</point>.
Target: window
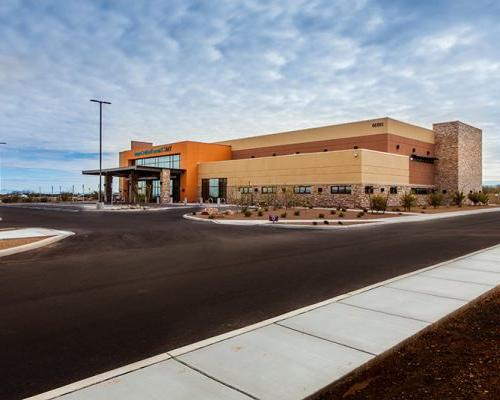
<point>393,190</point>
<point>172,161</point>
<point>420,190</point>
<point>213,188</point>
<point>340,189</point>
<point>368,189</point>
<point>245,189</point>
<point>268,189</point>
<point>302,189</point>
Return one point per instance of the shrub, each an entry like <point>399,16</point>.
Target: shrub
<point>211,216</point>
<point>365,210</point>
<point>247,213</point>
<point>310,206</point>
<point>360,214</point>
<point>378,203</point>
<point>297,212</point>
<point>283,215</point>
<point>424,207</point>
<point>321,215</point>
<point>408,200</point>
<point>344,209</point>
<point>260,213</point>
<point>339,208</point>
<point>341,215</point>
<point>483,198</point>
<point>458,198</point>
<point>435,199</point>
<point>340,222</point>
<point>333,212</point>
<point>193,213</point>
<point>475,197</point>
<point>204,213</point>
<point>326,222</point>
<point>266,209</point>
<point>315,223</point>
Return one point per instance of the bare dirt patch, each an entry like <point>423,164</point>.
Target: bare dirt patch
<point>9,243</point>
<point>458,358</point>
<point>297,214</point>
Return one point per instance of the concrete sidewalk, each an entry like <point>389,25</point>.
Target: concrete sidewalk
<point>296,354</point>
<point>50,235</point>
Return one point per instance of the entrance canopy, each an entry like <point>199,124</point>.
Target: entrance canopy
<point>136,173</point>
<point>140,171</point>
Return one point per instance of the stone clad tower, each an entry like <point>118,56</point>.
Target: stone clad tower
<point>458,148</point>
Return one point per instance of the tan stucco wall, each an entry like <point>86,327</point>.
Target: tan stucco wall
<point>312,168</point>
<point>348,130</point>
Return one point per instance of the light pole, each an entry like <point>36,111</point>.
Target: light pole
<point>100,145</point>
<point>1,170</point>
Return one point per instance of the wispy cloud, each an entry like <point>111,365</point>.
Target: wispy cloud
<point>214,70</point>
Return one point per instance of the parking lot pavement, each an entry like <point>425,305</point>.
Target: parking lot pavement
<point>128,286</point>
<point>294,356</point>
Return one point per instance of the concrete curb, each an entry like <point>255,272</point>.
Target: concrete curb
<point>32,246</point>
<point>291,224</point>
<point>173,354</point>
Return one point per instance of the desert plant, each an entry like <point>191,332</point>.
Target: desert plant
<point>296,212</point>
<point>260,213</point>
<point>435,199</point>
<point>211,216</point>
<point>483,198</point>
<point>247,213</point>
<point>326,222</point>
<point>344,209</point>
<point>315,223</point>
<point>378,203</point>
<point>283,215</point>
<point>474,197</point>
<point>333,212</point>
<point>360,214</point>
<point>193,213</point>
<point>458,198</point>
<point>365,210</point>
<point>408,200</point>
<point>340,222</point>
<point>339,207</point>
<point>341,215</point>
<point>321,215</point>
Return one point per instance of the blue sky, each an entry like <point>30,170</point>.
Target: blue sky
<point>213,70</point>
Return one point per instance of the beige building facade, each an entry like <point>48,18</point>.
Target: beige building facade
<point>340,164</point>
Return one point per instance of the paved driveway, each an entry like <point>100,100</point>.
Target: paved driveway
<point>132,285</point>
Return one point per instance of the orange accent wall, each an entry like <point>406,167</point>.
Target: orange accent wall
<point>192,153</point>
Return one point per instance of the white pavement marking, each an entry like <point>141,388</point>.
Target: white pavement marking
<point>276,362</point>
<point>465,275</point>
<point>440,287</point>
<point>295,354</point>
<point>405,304</point>
<point>361,329</point>
<point>28,233</point>
<point>166,380</point>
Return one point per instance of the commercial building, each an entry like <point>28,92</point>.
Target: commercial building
<point>333,165</point>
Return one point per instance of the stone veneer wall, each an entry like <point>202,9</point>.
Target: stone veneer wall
<point>321,198</point>
<point>458,147</point>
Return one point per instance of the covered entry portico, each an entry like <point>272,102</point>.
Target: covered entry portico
<point>136,176</point>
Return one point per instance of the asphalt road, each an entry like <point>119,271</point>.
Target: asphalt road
<point>132,285</point>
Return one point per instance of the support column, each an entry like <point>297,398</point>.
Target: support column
<point>149,191</point>
<point>165,186</point>
<point>132,188</point>
<point>108,188</point>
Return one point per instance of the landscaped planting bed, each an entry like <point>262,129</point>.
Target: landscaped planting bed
<point>443,209</point>
<point>292,214</point>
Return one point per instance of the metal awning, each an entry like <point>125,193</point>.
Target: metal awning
<point>141,171</point>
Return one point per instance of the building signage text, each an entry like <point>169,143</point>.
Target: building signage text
<point>153,151</point>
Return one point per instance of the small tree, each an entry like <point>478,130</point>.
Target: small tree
<point>435,199</point>
<point>378,203</point>
<point>408,200</point>
<point>458,198</point>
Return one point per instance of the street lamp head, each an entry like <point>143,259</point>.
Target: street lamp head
<point>100,101</point>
